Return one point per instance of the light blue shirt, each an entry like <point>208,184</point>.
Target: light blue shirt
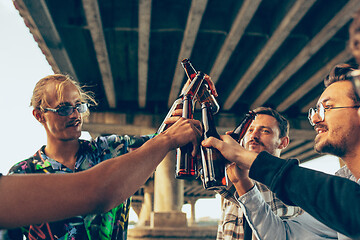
<point>267,225</point>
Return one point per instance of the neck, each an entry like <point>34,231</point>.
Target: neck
<point>63,151</point>
<point>352,162</point>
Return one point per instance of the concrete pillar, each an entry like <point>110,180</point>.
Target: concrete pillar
<point>192,220</point>
<point>147,206</point>
<point>136,206</point>
<point>168,195</point>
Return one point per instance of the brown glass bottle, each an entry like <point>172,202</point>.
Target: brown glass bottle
<point>241,129</point>
<point>185,162</point>
<point>213,163</point>
<point>204,94</point>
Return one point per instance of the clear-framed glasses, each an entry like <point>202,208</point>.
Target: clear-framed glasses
<point>320,110</point>
<point>68,110</point>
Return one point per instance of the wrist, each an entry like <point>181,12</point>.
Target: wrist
<point>166,141</point>
<point>246,159</point>
<point>243,186</point>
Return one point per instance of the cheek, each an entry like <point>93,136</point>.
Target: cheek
<point>270,142</point>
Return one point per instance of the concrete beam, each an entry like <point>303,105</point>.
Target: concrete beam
<point>196,13</point>
<point>101,128</point>
<point>143,51</point>
<point>94,22</point>
<point>237,30</point>
<point>38,19</point>
<point>298,150</point>
<point>289,22</point>
<point>339,20</point>
<point>317,78</point>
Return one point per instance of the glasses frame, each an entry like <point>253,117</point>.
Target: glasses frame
<point>81,108</point>
<point>320,110</point>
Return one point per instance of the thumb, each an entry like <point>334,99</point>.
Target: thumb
<point>211,142</point>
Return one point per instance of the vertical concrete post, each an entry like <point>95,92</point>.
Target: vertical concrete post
<point>192,220</point>
<point>147,205</point>
<point>168,195</point>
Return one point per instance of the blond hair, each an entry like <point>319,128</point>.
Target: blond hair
<point>39,101</point>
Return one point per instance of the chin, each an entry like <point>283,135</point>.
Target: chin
<point>256,149</point>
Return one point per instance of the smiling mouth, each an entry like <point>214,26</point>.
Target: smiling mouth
<point>320,130</point>
<point>74,124</point>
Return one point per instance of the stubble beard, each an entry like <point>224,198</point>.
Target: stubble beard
<point>338,149</point>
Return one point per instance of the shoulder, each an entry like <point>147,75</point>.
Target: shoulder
<point>346,173</point>
<point>24,166</point>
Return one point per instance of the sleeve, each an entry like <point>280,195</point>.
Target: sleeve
<point>23,167</point>
<point>325,197</point>
<point>267,225</point>
<point>228,193</point>
<point>138,141</point>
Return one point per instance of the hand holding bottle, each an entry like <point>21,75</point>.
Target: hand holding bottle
<point>232,150</point>
<point>183,132</point>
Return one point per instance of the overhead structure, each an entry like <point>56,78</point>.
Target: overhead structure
<point>272,53</point>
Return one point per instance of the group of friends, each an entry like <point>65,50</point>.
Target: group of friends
<point>268,198</point>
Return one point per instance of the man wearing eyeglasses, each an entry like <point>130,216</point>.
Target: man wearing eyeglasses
<point>59,105</point>
<point>330,199</point>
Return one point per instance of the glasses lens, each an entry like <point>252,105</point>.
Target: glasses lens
<point>82,108</point>
<point>65,110</point>
<point>311,115</point>
<point>321,111</point>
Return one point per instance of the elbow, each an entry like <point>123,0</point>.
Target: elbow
<point>105,200</point>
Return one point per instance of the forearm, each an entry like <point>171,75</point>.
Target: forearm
<point>243,186</point>
<point>324,196</point>
<point>127,173</point>
<point>35,198</point>
<point>267,225</point>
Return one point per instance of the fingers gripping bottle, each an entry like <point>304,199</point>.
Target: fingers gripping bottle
<point>213,163</point>
<point>185,162</point>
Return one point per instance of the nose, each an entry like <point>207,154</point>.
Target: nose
<point>316,118</point>
<point>75,113</point>
<point>254,134</point>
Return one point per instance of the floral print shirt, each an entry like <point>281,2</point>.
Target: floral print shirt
<point>110,225</point>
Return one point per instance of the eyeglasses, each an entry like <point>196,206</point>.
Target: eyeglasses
<point>68,110</point>
<point>321,112</point>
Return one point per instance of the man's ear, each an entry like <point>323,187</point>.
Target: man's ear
<point>284,142</point>
<point>38,114</point>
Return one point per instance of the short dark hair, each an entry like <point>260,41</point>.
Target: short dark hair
<point>339,73</point>
<point>283,123</point>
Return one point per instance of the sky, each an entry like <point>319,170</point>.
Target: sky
<point>22,64</point>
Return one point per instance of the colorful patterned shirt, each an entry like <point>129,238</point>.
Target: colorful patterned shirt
<point>231,225</point>
<point>110,225</point>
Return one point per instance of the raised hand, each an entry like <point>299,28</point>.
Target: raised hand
<point>232,151</point>
<point>184,131</point>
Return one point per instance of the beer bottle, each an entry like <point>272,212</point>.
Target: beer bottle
<point>241,129</point>
<point>213,163</point>
<point>185,162</point>
<point>204,93</point>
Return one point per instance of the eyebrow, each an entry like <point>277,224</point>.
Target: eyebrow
<point>68,103</point>
<point>261,127</point>
<point>324,101</point>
